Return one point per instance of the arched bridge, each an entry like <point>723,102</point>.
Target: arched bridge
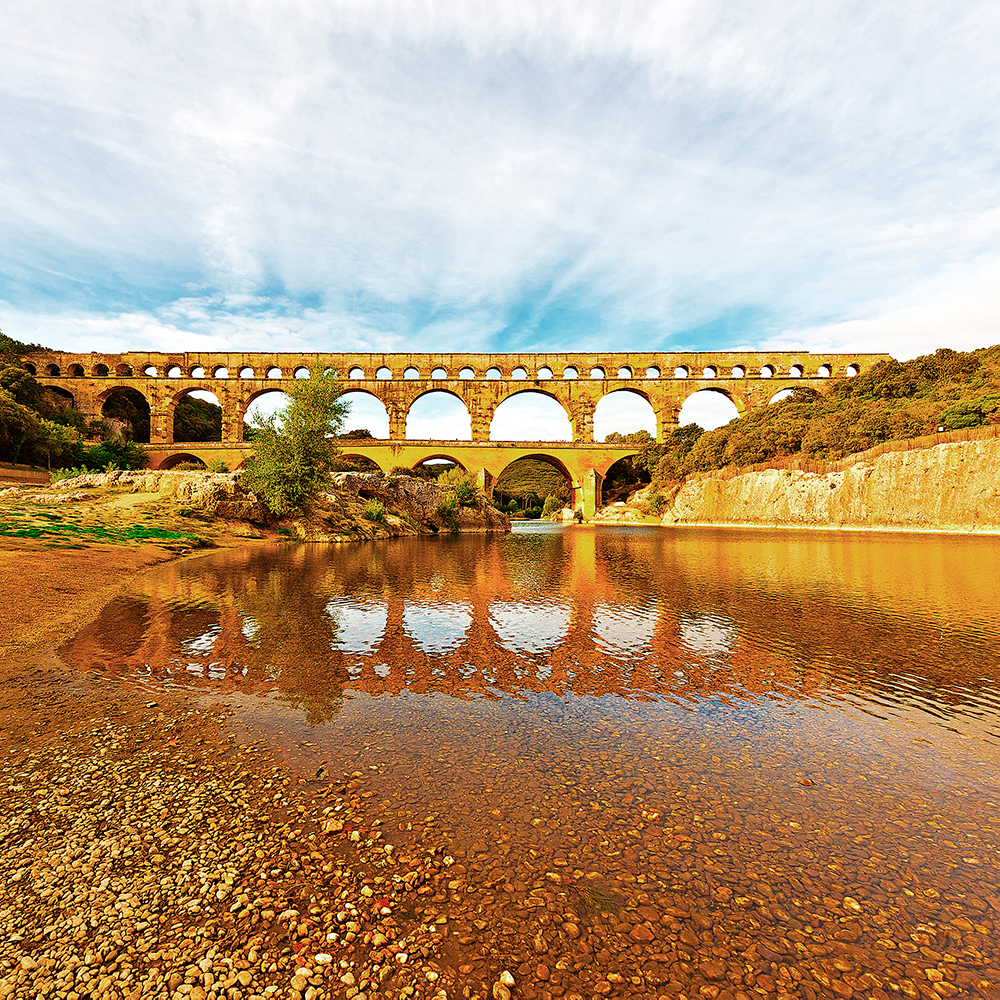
<point>578,381</point>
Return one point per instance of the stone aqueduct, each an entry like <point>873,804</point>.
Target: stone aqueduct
<point>576,380</point>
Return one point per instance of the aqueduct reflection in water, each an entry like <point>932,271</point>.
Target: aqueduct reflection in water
<point>641,614</point>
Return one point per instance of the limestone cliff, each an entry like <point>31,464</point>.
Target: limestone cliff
<point>949,487</point>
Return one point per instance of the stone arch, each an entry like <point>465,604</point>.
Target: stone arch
<point>418,416</point>
<point>30,368</point>
<point>220,371</point>
<point>172,461</point>
<point>124,371</point>
<point>250,400</point>
<point>194,422</point>
<point>620,478</point>
<point>515,390</point>
<point>712,409</point>
<point>52,371</point>
<point>150,371</point>
<point>60,397</point>
<point>381,420</point>
<point>614,410</point>
<point>129,407</point>
<point>356,456</point>
<point>571,487</point>
<point>102,371</point>
<point>76,371</point>
<point>197,371</point>
<point>439,456</point>
<point>300,371</point>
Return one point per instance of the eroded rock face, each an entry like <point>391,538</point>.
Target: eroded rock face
<point>949,487</point>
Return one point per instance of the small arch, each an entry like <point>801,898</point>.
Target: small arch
<point>367,415</point>
<point>825,371</point>
<point>76,371</point>
<point>411,373</point>
<point>544,373</point>
<point>652,372</point>
<point>493,374</point>
<point>246,372</point>
<point>384,374</point>
<point>597,372</point>
<point>530,415</point>
<point>708,408</point>
<point>356,373</point>
<point>795,371</point>
<point>102,371</point>
<point>570,372</point>
<point>767,371</point>
<point>124,371</point>
<point>466,373</point>
<point>739,371</point>
<point>624,372</point>
<point>130,409</point>
<point>780,395</point>
<point>197,416</point>
<point>59,397</point>
<point>197,372</point>
<point>621,479</point>
<point>519,374</point>
<point>150,371</point>
<point>439,372</point>
<point>624,411</point>
<point>301,372</point>
<point>30,368</point>
<point>710,372</point>
<point>273,372</point>
<point>220,371</point>
<point>181,458</point>
<point>681,371</point>
<point>348,462</point>
<point>438,415</point>
<point>174,371</point>
<point>853,370</point>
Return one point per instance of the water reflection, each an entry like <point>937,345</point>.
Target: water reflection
<point>844,620</point>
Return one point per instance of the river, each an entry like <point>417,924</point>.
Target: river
<point>710,762</point>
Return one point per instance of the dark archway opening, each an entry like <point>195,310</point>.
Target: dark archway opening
<point>357,463</point>
<point>128,413</point>
<point>623,478</point>
<point>182,462</point>
<point>198,417</point>
<point>433,467</point>
<point>532,487</point>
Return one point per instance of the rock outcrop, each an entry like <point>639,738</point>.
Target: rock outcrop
<point>949,487</point>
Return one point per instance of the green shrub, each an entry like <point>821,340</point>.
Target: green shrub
<point>218,465</point>
<point>552,505</point>
<point>374,511</point>
<point>653,505</point>
<point>57,475</point>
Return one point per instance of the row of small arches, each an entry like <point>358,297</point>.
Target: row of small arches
<point>383,373</point>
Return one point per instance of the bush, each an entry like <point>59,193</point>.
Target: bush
<point>463,485</point>
<point>552,505</point>
<point>218,465</point>
<point>653,505</point>
<point>374,511</point>
<point>294,453</point>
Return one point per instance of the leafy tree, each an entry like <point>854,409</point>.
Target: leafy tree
<point>19,428</point>
<point>357,434</point>
<point>972,413</point>
<point>55,440</point>
<point>551,505</point>
<point>295,452</point>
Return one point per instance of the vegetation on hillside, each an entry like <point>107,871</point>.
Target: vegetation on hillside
<point>296,450</point>
<point>526,485</point>
<point>947,389</point>
<point>39,427</point>
<point>197,420</point>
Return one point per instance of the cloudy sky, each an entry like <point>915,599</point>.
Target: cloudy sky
<point>500,175</point>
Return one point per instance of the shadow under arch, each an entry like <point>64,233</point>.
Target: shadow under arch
<point>172,461</point>
<point>419,403</point>
<point>426,464</point>
<point>59,397</point>
<point>380,419</point>
<point>128,406</point>
<point>621,479</point>
<point>571,489</point>
<point>194,417</point>
<point>504,410</point>
<point>352,461</point>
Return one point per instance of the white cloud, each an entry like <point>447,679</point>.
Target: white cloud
<point>396,174</point>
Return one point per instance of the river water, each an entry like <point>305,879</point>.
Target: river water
<point>710,762</point>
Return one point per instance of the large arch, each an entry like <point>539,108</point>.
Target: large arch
<point>522,416</point>
<point>349,461</point>
<point>621,479</point>
<point>59,397</point>
<point>433,417</point>
<point>624,411</point>
<point>254,410</point>
<point>425,468</point>
<point>368,413</point>
<point>130,408</point>
<point>197,416</point>
<point>709,408</point>
<point>519,488</point>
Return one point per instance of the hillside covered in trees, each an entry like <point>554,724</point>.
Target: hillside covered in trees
<point>947,390</point>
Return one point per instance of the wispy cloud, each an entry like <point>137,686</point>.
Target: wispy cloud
<point>399,175</point>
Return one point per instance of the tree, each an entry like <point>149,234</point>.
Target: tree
<point>295,451</point>
<point>18,428</point>
<point>55,440</point>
